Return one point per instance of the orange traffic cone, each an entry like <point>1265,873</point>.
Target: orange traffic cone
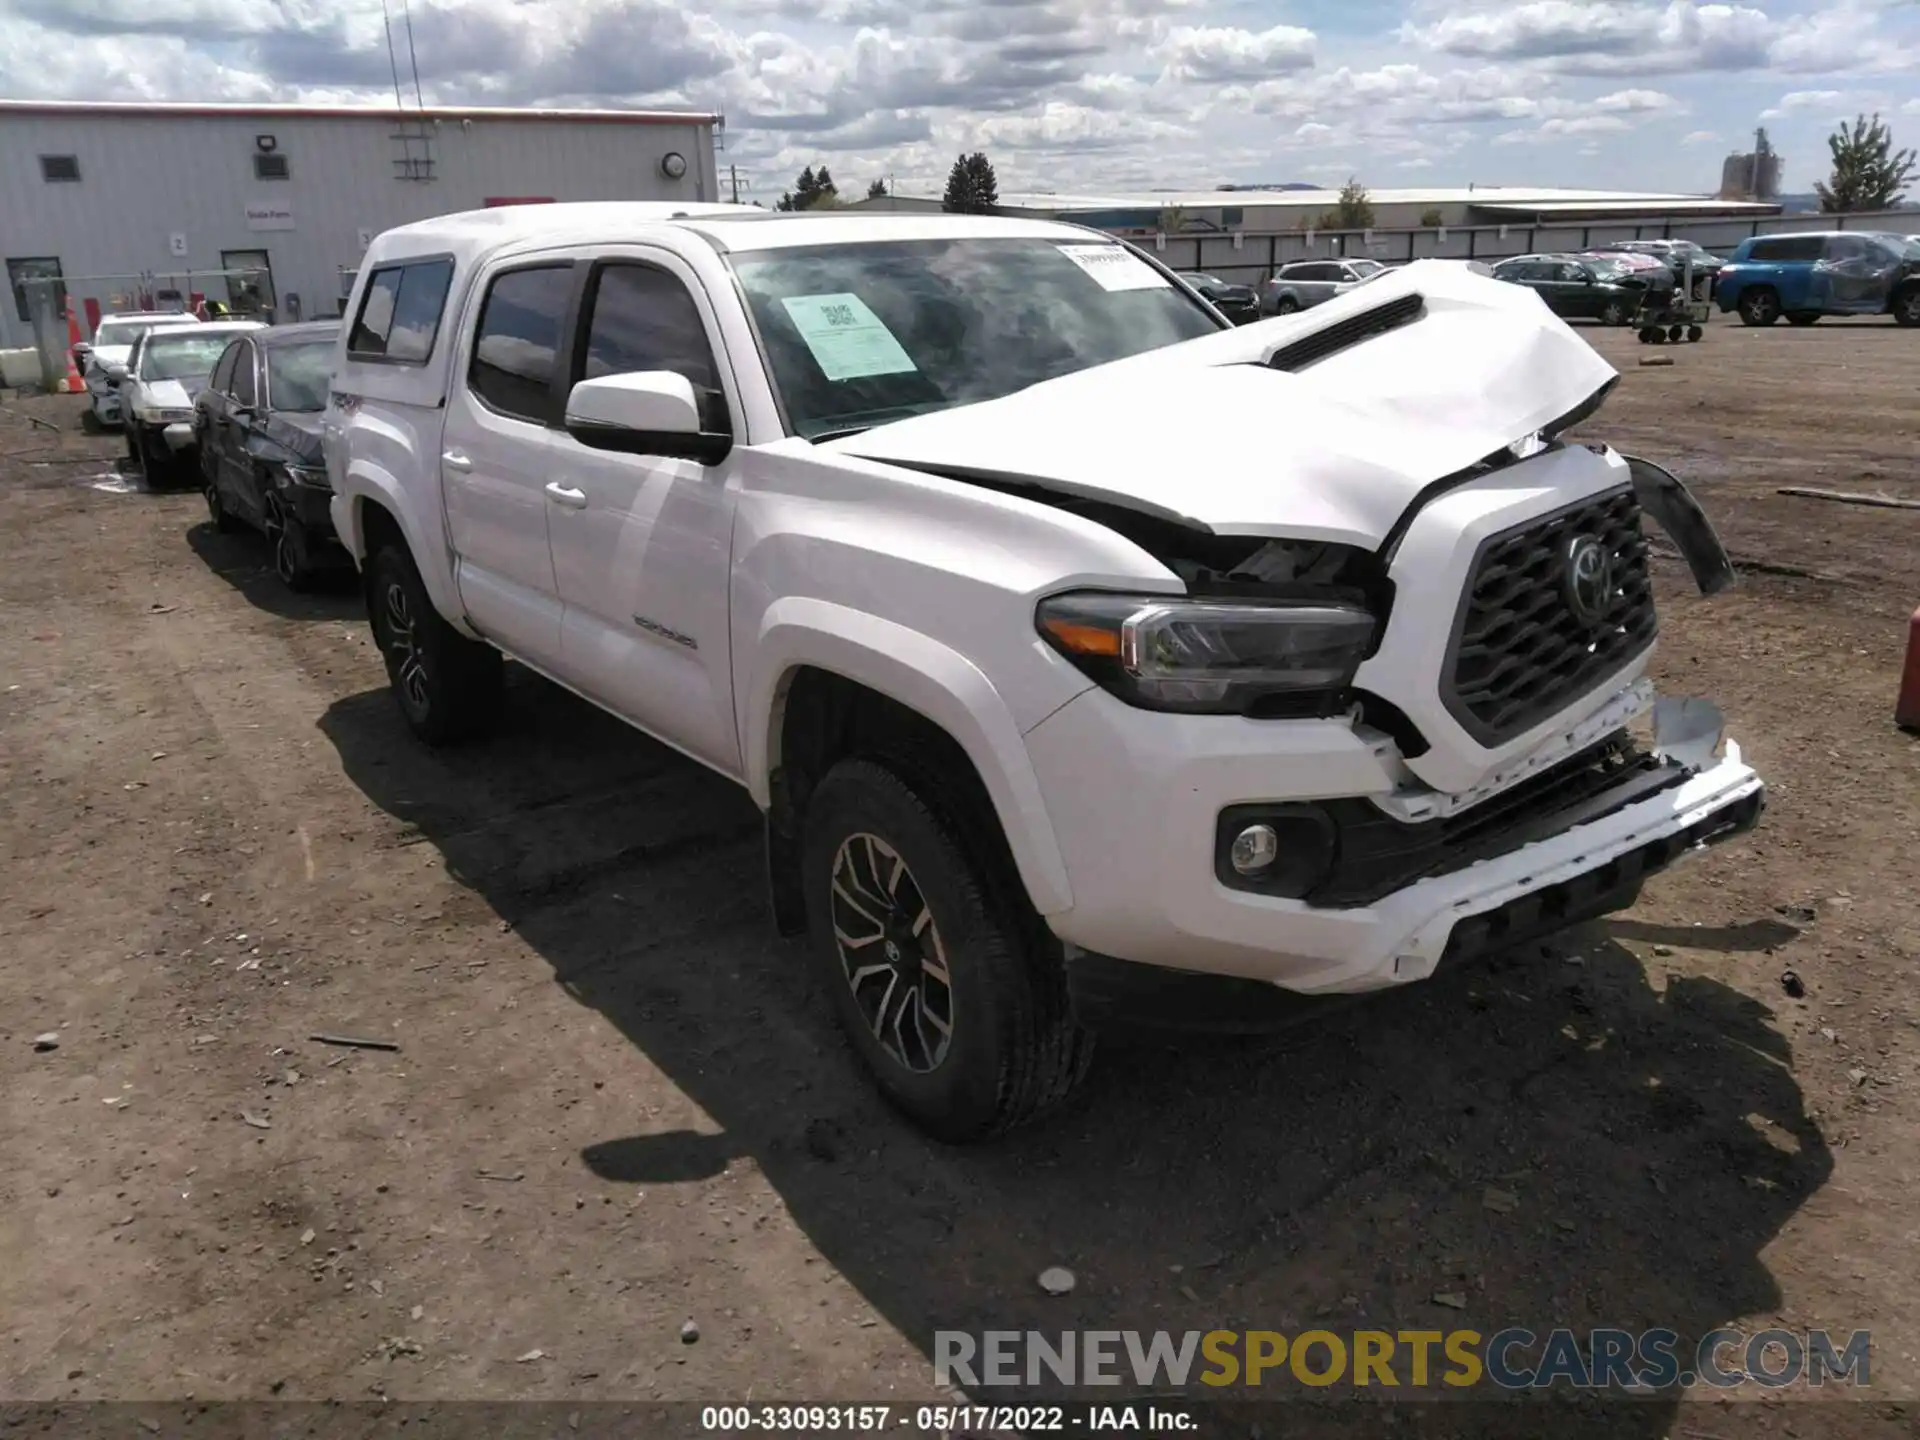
<point>73,384</point>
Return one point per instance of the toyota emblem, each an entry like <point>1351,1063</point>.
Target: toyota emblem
<point>1589,579</point>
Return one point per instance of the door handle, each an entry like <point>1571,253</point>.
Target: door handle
<point>454,460</point>
<point>566,495</point>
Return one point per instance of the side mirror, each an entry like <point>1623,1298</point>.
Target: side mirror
<point>646,412</point>
<point>116,373</point>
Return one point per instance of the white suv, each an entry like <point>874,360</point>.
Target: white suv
<point>1055,693</point>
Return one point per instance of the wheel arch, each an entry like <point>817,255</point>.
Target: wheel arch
<point>374,508</point>
<point>867,679</point>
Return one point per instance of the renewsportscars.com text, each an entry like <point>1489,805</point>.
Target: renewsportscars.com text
<point>1510,1359</point>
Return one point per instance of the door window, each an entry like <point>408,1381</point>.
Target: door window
<point>222,381</point>
<point>400,313</point>
<point>517,343</point>
<point>644,319</point>
<point>1847,247</point>
<point>243,391</point>
<point>1574,273</point>
<point>1788,247</point>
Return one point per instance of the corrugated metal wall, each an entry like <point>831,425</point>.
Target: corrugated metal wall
<point>144,180</point>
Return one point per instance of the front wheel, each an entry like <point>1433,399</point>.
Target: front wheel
<point>1759,307</point>
<point>291,547</point>
<point>223,519</point>
<point>1285,305</point>
<point>448,687</point>
<point>950,990</point>
<point>1906,306</point>
<point>1803,318</point>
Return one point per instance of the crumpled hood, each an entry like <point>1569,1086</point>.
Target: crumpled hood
<point>105,355</point>
<point>1208,434</point>
<point>298,433</point>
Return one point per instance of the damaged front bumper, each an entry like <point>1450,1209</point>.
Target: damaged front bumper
<point>1141,857</point>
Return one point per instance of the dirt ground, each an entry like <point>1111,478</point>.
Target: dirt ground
<point>616,1106</point>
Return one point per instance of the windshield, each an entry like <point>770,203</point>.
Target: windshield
<point>1194,277</point>
<point>857,335</point>
<point>297,376</point>
<point>181,357</point>
<point>1367,267</point>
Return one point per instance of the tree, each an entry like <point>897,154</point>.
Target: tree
<point>1868,173</point>
<point>971,186</point>
<point>1353,211</point>
<point>877,190</point>
<point>1430,219</point>
<point>814,190</point>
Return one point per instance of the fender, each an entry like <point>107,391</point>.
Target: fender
<point>1674,510</point>
<point>928,677</point>
<point>424,530</point>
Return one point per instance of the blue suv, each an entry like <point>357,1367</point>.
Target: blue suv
<point>1805,276</point>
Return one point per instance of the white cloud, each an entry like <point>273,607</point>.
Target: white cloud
<point>1213,53</point>
<point>1700,137</point>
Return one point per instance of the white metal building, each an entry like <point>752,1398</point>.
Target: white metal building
<point>120,199</point>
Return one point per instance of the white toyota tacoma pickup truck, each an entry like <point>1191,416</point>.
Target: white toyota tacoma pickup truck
<point>1080,649</point>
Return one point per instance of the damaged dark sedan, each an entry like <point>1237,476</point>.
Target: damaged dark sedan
<point>258,426</point>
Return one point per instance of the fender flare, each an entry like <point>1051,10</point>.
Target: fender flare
<point>368,484</point>
<point>930,678</point>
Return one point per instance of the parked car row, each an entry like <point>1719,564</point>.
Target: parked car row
<point>906,525</point>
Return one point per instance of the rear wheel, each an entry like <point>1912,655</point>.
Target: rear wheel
<point>448,687</point>
<point>1613,313</point>
<point>291,548</point>
<point>223,519</point>
<point>1759,306</point>
<point>947,985</point>
<point>1285,305</point>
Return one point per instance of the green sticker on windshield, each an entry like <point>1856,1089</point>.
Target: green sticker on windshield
<point>847,339</point>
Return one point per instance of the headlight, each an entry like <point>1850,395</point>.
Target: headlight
<point>314,476</point>
<point>1208,656</point>
<point>161,415</point>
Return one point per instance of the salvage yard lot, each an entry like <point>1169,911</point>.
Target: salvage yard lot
<point>617,1106</point>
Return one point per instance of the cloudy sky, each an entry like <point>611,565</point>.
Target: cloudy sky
<point>1069,94</point>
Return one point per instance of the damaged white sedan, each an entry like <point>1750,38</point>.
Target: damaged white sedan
<point>1062,697</point>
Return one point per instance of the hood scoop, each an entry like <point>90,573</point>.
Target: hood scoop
<point>1347,333</point>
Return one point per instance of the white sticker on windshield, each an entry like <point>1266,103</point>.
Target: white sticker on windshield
<point>1114,267</point>
<point>847,339</point>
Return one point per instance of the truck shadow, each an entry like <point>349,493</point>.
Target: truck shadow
<point>1542,1140</point>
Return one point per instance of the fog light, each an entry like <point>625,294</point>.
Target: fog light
<point>1254,849</point>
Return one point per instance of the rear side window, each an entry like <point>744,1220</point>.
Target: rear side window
<point>222,381</point>
<point>518,340</point>
<point>400,314</point>
<point>644,319</point>
<point>245,390</point>
<point>1788,247</point>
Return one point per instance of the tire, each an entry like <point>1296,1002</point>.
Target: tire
<point>447,686</point>
<point>1285,305</point>
<point>1648,335</point>
<point>90,421</point>
<point>224,520</point>
<point>1759,306</point>
<point>1694,333</point>
<point>289,546</point>
<point>1906,306</point>
<point>882,866</point>
<point>1803,318</point>
<point>1675,333</point>
<point>1613,313</point>
<point>149,456</point>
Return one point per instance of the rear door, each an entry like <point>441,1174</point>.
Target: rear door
<point>642,543</point>
<point>210,416</point>
<point>497,449</point>
<point>237,477</point>
<point>1856,274</point>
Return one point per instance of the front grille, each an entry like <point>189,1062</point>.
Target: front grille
<point>1521,650</point>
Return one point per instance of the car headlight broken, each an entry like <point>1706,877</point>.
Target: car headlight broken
<point>1209,656</point>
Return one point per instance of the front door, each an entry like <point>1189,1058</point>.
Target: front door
<point>496,452</point>
<point>642,544</point>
